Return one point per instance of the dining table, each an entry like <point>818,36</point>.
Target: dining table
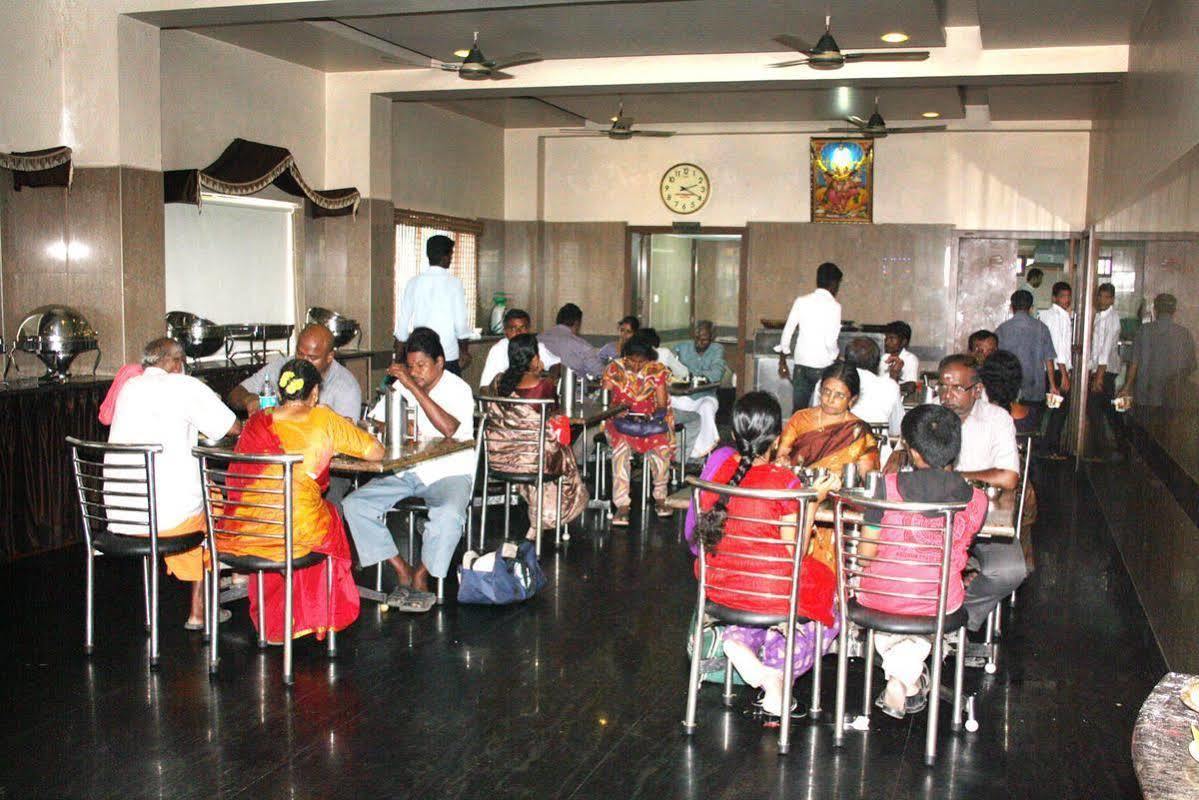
<point>687,389</point>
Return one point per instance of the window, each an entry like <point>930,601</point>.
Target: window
<point>414,229</point>
<point>1105,266</point>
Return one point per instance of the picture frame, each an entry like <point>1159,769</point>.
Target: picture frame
<point>842,180</point>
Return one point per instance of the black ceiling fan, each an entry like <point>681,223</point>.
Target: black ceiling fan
<point>826,54</point>
<point>474,66</point>
<point>622,128</point>
<point>876,126</point>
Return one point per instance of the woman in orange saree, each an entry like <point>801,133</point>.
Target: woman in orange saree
<point>828,435</point>
<point>299,426</point>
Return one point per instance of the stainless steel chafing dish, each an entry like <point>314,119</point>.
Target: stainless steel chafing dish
<point>258,333</point>
<point>343,329</point>
<point>200,337</point>
<point>56,334</point>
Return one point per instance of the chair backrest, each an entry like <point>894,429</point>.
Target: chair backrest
<point>1025,443</point>
<point>761,559</point>
<point>266,508</point>
<point>916,568</point>
<point>512,442</point>
<point>115,487</point>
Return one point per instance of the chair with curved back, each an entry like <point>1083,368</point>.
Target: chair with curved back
<point>853,567</point>
<point>790,553</point>
<point>117,493</point>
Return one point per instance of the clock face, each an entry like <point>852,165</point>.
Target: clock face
<point>685,188</point>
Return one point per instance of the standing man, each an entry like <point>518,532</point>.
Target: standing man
<point>1104,366</point>
<point>1163,358</point>
<point>435,299</point>
<point>1060,322</point>
<point>1032,281</point>
<point>814,323</point>
<point>1027,338</point>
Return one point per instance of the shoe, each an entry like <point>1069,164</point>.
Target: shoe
<point>620,519</point>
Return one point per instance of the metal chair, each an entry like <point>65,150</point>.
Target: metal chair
<point>854,566</point>
<point>678,468</point>
<point>790,553</point>
<point>116,489</point>
<point>522,439</point>
<point>274,494</point>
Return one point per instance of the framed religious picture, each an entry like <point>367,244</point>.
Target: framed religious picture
<point>842,180</point>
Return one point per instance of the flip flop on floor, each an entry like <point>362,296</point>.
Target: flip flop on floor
<point>415,602</point>
<point>398,595</point>
<point>226,615</point>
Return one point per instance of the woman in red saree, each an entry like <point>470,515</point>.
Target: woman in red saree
<point>299,426</point>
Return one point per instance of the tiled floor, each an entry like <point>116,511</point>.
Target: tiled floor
<point>577,694</point>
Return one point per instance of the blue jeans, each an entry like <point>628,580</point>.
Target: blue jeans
<point>803,383</point>
<point>366,510</point>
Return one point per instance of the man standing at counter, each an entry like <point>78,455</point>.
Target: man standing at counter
<point>814,323</point>
<point>1060,322</point>
<point>435,299</point>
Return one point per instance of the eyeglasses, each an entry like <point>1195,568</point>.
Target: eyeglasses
<point>829,394</point>
<point>949,387</point>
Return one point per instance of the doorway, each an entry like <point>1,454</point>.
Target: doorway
<point>680,278</point>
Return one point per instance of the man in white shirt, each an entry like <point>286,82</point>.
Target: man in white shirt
<point>164,406</point>
<point>898,363</point>
<point>1104,366</point>
<point>516,322</point>
<point>988,454</point>
<point>445,408</point>
<point>435,299</point>
<point>1060,322</point>
<point>814,323</point>
<point>879,400</point>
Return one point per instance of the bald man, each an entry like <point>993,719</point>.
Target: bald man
<point>339,387</point>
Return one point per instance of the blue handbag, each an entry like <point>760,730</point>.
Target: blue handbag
<point>511,580</point>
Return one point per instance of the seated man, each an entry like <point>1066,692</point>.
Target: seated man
<point>445,408</point>
<point>516,322</point>
<point>988,455</point>
<point>697,415</point>
<point>625,330</point>
<point>705,358</point>
<point>982,344</point>
<point>900,364</point>
<point>339,388</point>
<point>564,342</point>
<point>165,406</point>
<point>879,401</point>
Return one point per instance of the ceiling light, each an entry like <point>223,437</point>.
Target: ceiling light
<point>462,53</point>
<point>931,114</point>
<point>895,37</point>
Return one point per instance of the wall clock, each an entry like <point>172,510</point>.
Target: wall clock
<point>685,188</point>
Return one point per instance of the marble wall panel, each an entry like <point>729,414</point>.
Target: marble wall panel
<point>382,287</point>
<point>984,281</point>
<point>143,261</point>
<point>584,263</point>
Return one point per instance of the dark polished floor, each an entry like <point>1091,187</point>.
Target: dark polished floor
<point>577,694</point>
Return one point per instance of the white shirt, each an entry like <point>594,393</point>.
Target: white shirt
<point>817,318</point>
<point>169,409</point>
<point>1061,331</point>
<point>1105,341</point>
<point>678,371</point>
<point>497,361</point>
<point>880,401</point>
<point>455,398</point>
<point>908,373</point>
<point>435,299</point>
<point>988,440</point>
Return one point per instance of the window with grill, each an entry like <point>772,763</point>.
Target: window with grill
<point>413,231</point>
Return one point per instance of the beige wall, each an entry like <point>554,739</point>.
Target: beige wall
<point>1001,180</point>
<point>446,163</point>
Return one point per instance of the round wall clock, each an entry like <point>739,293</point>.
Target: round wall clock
<point>685,188</point>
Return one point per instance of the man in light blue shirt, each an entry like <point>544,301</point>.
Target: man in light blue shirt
<point>435,299</point>
<point>702,356</point>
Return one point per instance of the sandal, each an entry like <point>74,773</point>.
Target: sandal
<point>415,602</point>
<point>192,625</point>
<point>881,704</point>
<point>621,518</point>
<point>397,596</point>
<point>663,510</point>
<point>916,703</point>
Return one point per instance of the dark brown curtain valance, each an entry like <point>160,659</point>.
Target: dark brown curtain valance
<point>249,167</point>
<point>406,216</point>
<point>50,167</point>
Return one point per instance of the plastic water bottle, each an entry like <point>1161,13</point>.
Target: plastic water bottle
<point>267,398</point>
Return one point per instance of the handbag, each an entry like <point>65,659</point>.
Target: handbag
<point>640,426</point>
<point>511,580</point>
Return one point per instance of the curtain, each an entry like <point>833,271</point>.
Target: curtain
<point>50,167</point>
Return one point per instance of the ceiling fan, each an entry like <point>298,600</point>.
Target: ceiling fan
<point>876,126</point>
<point>622,128</point>
<point>826,54</point>
<point>474,66</point>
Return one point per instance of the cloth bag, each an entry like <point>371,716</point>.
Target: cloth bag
<point>510,580</point>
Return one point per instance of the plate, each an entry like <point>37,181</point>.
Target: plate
<point>1190,696</point>
<point>1193,749</point>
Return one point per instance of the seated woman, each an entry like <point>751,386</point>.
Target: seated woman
<point>828,435</point>
<point>508,436</point>
<point>933,436</point>
<point>297,425</point>
<point>1001,376</point>
<point>696,413</point>
<point>642,383</point>
<point>758,653</point>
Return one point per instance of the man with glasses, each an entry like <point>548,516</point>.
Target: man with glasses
<point>988,455</point>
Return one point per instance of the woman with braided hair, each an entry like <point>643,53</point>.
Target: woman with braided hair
<point>758,653</point>
<point>508,434</point>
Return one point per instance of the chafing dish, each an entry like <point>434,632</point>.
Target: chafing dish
<point>56,334</point>
<point>343,329</point>
<point>257,333</point>
<point>200,337</point>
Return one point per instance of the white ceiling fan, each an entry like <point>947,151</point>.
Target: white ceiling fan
<point>827,55</point>
<point>876,127</point>
<point>621,128</point>
<point>474,66</point>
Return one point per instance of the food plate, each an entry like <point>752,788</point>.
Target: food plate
<point>1190,696</point>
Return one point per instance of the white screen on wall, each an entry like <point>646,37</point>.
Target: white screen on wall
<point>231,262</point>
